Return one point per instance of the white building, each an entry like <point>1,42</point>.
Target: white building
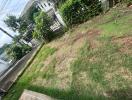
<point>47,6</point>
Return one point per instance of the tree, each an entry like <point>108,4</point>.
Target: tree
<point>3,48</point>
<point>12,22</point>
<point>16,24</point>
<point>42,28</point>
<point>58,2</point>
<point>17,51</point>
<point>23,25</point>
<point>29,16</point>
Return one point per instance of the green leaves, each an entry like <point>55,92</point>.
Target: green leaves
<point>17,51</point>
<point>12,22</point>
<point>42,28</point>
<point>78,11</point>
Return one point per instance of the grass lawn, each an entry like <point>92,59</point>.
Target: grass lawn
<point>93,61</point>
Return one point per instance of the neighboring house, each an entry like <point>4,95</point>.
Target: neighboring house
<point>48,6</point>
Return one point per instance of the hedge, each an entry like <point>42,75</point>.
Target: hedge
<point>78,11</point>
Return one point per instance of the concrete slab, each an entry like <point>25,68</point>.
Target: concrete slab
<point>30,95</point>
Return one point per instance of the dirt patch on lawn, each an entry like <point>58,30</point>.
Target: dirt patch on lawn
<point>126,44</point>
<point>67,51</point>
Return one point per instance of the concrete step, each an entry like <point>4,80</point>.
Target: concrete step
<point>30,95</point>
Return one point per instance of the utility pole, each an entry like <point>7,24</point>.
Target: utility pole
<point>1,29</point>
<point>6,33</point>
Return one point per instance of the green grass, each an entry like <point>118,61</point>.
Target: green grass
<point>100,70</point>
<point>116,23</point>
<point>100,73</point>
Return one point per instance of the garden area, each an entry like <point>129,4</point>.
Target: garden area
<point>91,61</point>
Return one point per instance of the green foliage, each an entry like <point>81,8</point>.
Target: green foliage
<point>29,15</point>
<point>16,24</point>
<point>22,24</point>
<point>42,28</point>
<point>129,2</point>
<point>17,51</point>
<point>12,22</point>
<point>3,48</point>
<point>78,11</point>
<point>60,2</point>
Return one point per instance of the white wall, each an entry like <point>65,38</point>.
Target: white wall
<point>45,5</point>
<point>60,19</point>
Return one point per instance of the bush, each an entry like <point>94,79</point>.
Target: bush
<point>60,2</point>
<point>42,27</point>
<point>78,11</point>
<point>17,51</point>
<point>129,2</point>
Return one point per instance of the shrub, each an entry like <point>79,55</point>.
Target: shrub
<point>42,27</point>
<point>129,2</point>
<point>60,2</point>
<point>17,51</point>
<point>78,11</point>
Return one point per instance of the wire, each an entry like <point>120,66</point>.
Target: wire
<point>4,3</point>
<point>14,9</point>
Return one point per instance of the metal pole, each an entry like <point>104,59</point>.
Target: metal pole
<point>6,33</point>
<point>9,35</point>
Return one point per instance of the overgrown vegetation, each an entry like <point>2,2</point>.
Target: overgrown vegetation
<point>78,11</point>
<point>42,29</point>
<point>129,2</point>
<point>3,48</point>
<point>17,51</point>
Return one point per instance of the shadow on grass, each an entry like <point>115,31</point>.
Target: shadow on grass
<point>121,94</point>
<point>58,33</point>
<point>65,95</point>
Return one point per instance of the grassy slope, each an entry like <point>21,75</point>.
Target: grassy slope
<point>101,71</point>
